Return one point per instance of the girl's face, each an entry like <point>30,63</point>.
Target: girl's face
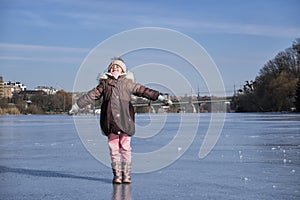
<point>116,68</point>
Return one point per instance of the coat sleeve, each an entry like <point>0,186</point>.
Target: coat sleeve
<point>142,91</point>
<point>91,95</point>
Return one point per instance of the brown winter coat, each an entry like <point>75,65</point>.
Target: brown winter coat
<point>117,113</point>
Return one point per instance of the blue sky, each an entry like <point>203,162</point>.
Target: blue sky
<point>44,42</point>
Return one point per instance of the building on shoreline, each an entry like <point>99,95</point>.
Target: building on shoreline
<point>7,89</point>
<point>1,87</point>
<point>47,90</point>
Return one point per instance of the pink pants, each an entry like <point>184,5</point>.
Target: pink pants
<point>119,147</point>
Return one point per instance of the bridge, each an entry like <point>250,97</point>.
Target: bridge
<point>186,105</point>
<point>209,104</point>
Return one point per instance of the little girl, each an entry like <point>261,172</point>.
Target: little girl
<point>117,114</point>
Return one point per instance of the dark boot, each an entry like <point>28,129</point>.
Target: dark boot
<point>126,168</point>
<point>117,171</point>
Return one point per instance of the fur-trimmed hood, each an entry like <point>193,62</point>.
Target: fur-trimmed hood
<point>106,75</point>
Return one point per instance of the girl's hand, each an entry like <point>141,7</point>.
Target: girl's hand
<point>164,100</point>
<point>74,109</point>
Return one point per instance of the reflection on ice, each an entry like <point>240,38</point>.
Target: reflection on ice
<point>121,192</point>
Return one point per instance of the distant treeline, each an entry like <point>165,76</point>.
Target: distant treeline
<point>37,103</point>
<point>276,88</point>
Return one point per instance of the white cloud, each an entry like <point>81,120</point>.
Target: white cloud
<point>110,20</point>
<point>252,29</point>
<point>198,26</point>
<point>25,47</point>
<point>22,52</point>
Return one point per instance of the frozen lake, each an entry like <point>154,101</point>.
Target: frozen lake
<point>257,156</point>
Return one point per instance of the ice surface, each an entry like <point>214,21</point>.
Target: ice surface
<point>256,157</point>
